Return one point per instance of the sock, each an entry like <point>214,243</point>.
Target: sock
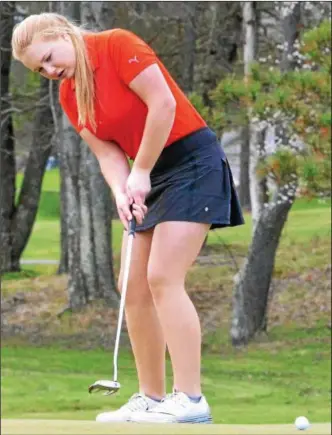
<point>194,399</point>
<point>154,398</point>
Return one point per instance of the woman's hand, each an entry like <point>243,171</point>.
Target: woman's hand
<point>138,186</point>
<point>123,206</point>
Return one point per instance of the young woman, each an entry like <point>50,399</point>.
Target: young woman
<point>124,103</point>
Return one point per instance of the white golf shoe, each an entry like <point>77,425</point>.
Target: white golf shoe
<point>138,402</point>
<point>175,408</point>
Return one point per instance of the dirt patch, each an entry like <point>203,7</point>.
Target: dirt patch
<point>31,313</point>
<point>302,299</point>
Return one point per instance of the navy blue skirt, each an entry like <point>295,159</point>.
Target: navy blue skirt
<point>192,182</point>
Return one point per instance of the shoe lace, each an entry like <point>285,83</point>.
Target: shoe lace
<point>137,402</point>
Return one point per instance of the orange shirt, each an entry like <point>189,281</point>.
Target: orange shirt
<point>117,57</point>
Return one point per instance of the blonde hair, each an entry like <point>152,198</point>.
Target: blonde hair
<point>52,25</point>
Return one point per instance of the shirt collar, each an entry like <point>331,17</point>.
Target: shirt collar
<point>92,49</point>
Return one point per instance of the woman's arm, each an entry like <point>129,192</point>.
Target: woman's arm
<point>115,169</point>
<point>151,86</point>
<point>112,160</point>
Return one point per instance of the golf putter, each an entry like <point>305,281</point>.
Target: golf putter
<point>111,387</point>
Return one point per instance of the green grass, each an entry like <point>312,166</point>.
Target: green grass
<point>289,377</point>
<point>306,220</point>
<point>304,225</point>
<point>44,242</point>
<point>49,204</point>
<point>54,427</point>
<point>51,181</point>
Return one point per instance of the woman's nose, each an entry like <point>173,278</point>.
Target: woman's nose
<point>50,70</point>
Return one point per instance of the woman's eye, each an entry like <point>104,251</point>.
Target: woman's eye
<point>48,58</point>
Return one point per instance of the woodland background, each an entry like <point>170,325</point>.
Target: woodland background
<point>259,72</point>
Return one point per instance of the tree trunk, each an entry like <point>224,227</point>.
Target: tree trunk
<point>26,210</point>
<point>258,186</point>
<point>72,10</point>
<point>7,157</point>
<point>59,7</point>
<point>17,221</point>
<point>88,225</point>
<point>189,47</point>
<point>98,15</point>
<point>255,138</point>
<point>88,16</point>
<point>251,293</point>
<point>63,266</point>
<point>221,47</point>
<point>87,212</point>
<point>77,287</point>
<point>253,281</point>
<point>290,30</point>
<point>250,35</point>
<point>244,189</point>
<point>210,55</point>
<point>250,31</point>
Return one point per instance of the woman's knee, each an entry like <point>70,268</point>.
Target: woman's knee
<point>161,281</point>
<point>138,291</point>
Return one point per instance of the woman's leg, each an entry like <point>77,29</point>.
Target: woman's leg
<point>144,329</point>
<point>175,246</point>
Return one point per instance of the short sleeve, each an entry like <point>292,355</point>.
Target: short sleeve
<point>129,54</point>
<point>69,107</point>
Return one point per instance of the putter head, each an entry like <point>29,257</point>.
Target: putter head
<point>109,387</point>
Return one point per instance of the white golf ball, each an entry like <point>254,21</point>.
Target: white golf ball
<point>302,423</point>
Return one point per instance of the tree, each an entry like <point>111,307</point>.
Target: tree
<point>299,101</point>
<point>189,47</point>
<point>301,105</point>
<point>88,221</point>
<point>7,160</point>
<point>255,137</point>
<point>219,48</point>
<point>86,202</point>
<point>250,27</point>
<point>18,216</point>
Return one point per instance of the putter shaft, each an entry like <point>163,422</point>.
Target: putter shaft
<point>113,386</point>
<point>122,304</point>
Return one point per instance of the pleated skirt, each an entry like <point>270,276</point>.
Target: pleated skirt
<point>192,182</point>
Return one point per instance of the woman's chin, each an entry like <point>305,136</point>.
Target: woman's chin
<point>70,73</point>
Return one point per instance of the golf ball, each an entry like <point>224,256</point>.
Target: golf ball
<point>302,423</point>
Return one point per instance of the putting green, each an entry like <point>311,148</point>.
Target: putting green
<point>71,427</point>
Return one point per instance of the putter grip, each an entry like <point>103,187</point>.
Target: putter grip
<point>132,224</point>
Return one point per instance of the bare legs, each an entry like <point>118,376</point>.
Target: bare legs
<point>144,329</point>
<point>158,307</point>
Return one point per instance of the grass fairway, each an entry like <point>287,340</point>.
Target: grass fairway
<point>55,427</point>
<point>264,384</point>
